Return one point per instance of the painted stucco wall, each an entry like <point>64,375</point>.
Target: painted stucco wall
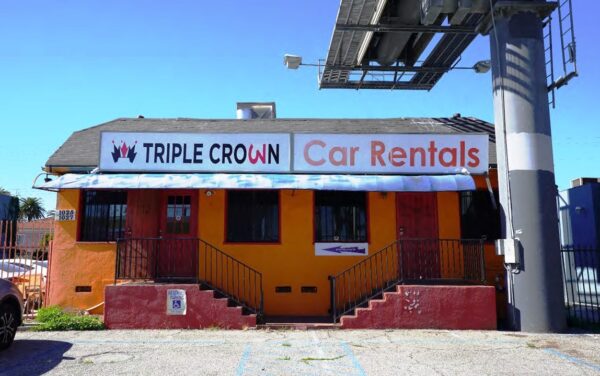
<point>291,262</point>
<point>78,263</point>
<point>144,307</point>
<point>428,307</point>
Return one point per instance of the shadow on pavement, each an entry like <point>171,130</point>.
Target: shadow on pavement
<point>32,357</point>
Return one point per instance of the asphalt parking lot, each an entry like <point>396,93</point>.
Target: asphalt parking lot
<point>285,352</point>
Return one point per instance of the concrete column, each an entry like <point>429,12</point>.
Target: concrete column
<point>526,169</point>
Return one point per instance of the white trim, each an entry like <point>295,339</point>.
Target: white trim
<point>529,152</point>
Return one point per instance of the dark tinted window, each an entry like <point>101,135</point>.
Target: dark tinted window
<point>479,218</point>
<point>340,216</point>
<point>253,216</point>
<point>103,215</point>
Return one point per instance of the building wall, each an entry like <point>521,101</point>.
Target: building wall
<point>291,262</point>
<point>580,215</point>
<point>76,263</point>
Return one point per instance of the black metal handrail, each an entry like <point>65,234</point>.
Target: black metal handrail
<point>190,260</point>
<point>136,259</point>
<point>236,280</point>
<point>581,277</point>
<point>419,261</point>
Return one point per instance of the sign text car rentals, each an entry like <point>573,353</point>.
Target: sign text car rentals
<point>311,153</point>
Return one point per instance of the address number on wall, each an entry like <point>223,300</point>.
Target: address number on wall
<point>66,215</point>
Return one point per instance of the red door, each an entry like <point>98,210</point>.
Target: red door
<point>417,228</point>
<point>178,251</point>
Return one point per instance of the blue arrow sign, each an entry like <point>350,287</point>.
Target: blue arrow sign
<point>342,249</point>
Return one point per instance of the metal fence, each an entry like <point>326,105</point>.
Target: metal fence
<point>24,250</point>
<point>417,261</point>
<point>582,286</point>
<point>190,260</point>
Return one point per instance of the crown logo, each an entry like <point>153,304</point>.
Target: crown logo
<point>123,151</point>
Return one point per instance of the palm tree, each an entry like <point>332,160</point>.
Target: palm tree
<point>31,208</point>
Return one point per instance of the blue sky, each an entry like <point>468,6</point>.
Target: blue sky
<point>67,65</point>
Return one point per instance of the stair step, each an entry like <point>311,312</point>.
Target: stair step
<point>247,312</point>
<point>229,303</point>
<point>298,326</point>
<point>376,303</point>
<point>238,308</point>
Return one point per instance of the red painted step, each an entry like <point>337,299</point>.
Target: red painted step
<point>428,307</point>
<point>145,307</point>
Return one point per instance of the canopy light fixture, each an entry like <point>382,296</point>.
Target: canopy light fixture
<point>292,61</point>
<point>483,66</point>
<point>295,61</point>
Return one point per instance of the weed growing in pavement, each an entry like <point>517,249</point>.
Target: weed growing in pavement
<point>55,319</point>
<point>284,358</point>
<point>285,344</point>
<point>310,359</point>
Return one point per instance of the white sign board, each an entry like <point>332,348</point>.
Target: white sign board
<point>391,153</point>
<point>312,153</point>
<point>195,152</point>
<point>341,249</point>
<point>176,302</point>
<point>65,215</point>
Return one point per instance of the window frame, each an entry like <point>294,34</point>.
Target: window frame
<point>81,215</point>
<point>170,221</point>
<point>462,222</point>
<point>367,219</point>
<point>258,242</point>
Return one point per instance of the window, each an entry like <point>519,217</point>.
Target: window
<point>178,214</point>
<point>252,216</point>
<point>103,215</point>
<point>340,216</point>
<point>478,217</point>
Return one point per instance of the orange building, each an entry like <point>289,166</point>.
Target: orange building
<point>304,218</point>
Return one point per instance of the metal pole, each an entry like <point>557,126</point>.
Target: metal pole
<point>333,298</point>
<point>526,169</point>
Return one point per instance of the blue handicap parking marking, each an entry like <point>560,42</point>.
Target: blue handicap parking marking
<point>302,357</point>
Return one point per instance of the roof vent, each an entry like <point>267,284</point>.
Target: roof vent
<point>255,110</point>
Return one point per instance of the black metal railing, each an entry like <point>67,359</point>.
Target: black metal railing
<point>136,259</point>
<point>190,260</point>
<point>581,266</point>
<point>231,277</point>
<point>419,261</point>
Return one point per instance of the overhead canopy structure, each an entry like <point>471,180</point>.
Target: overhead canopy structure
<point>402,44</point>
<point>381,183</point>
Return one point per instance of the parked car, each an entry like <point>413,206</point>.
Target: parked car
<point>11,268</point>
<point>11,314</point>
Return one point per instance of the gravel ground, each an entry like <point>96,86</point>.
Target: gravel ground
<point>285,352</point>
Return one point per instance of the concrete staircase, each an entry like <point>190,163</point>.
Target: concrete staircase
<point>144,307</point>
<point>427,307</point>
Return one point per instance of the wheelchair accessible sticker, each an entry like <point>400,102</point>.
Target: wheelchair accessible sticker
<point>176,302</point>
